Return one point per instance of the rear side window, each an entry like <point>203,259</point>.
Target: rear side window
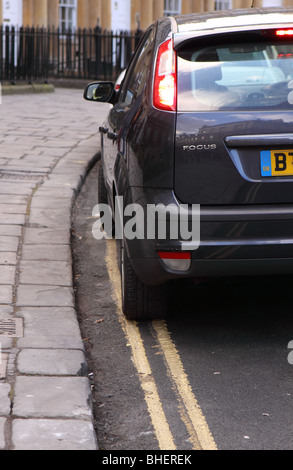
<point>248,76</point>
<point>137,74</point>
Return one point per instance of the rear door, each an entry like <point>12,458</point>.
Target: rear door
<point>234,137</point>
<point>124,115</point>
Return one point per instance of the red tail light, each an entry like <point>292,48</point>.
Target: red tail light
<point>165,83</point>
<point>284,32</point>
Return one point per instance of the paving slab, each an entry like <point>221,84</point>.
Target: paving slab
<point>44,434</point>
<point>7,275</point>
<point>44,252</point>
<point>6,295</point>
<point>12,219</point>
<point>50,236</point>
<point>50,328</point>
<point>15,189</point>
<point>54,362</point>
<point>46,202</point>
<point>3,366</point>
<point>9,208</point>
<point>52,218</point>
<point>13,199</point>
<point>4,399</point>
<point>2,433</point>
<point>44,295</point>
<point>6,344</point>
<point>64,192</point>
<point>9,243</point>
<point>7,258</point>
<point>73,181</point>
<point>48,273</point>
<point>5,311</point>
<point>10,230</point>
<point>52,397</point>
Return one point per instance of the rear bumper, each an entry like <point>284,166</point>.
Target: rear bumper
<point>152,272</point>
<point>234,241</point>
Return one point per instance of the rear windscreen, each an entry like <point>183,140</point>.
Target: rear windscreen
<point>249,76</point>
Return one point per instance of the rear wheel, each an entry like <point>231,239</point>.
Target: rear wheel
<point>140,301</point>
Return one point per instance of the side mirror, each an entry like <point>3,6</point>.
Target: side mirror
<point>102,92</point>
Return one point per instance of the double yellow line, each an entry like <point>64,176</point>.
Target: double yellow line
<point>189,410</point>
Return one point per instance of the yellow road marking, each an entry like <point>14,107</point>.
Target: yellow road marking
<point>140,360</point>
<point>189,410</point>
<point>197,426</point>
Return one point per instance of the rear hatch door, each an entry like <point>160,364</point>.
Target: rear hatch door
<point>234,135</point>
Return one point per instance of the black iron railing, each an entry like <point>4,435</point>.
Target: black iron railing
<point>40,54</point>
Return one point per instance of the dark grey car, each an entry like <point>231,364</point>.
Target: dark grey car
<point>197,152</point>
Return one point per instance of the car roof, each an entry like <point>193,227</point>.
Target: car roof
<point>184,27</point>
<point>234,19</point>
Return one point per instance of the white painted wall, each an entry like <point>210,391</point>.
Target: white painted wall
<point>121,15</point>
<point>12,12</point>
<point>272,3</point>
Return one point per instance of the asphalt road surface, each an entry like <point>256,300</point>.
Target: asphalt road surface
<point>216,374</point>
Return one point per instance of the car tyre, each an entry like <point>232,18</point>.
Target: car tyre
<point>140,301</point>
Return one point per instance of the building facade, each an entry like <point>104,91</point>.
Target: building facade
<point>111,14</point>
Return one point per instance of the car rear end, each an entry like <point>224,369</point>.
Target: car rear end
<point>209,149</point>
<point>234,140</point>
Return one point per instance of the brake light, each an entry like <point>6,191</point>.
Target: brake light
<point>284,32</point>
<point>165,83</point>
<point>285,56</point>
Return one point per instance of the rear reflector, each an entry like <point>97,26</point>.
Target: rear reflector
<point>174,254</point>
<point>165,83</point>
<point>176,260</point>
<point>284,32</point>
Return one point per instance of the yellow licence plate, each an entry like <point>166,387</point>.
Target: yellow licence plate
<point>276,162</point>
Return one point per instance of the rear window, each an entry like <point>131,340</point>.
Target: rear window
<point>248,76</point>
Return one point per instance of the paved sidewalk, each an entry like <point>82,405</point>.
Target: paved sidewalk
<point>47,143</point>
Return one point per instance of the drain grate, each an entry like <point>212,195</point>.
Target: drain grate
<point>21,176</point>
<point>11,327</point>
